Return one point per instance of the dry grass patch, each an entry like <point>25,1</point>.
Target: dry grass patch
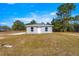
<point>41,44</point>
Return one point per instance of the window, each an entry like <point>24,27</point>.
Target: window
<point>46,28</point>
<point>32,29</point>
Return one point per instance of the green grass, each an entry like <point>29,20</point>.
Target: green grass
<point>41,45</point>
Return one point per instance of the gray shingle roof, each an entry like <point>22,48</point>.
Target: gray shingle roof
<point>38,25</point>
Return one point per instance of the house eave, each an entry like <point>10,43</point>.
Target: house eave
<point>38,25</point>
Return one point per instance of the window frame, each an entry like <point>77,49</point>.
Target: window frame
<point>32,29</point>
<point>46,29</point>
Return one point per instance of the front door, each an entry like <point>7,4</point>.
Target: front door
<point>39,30</point>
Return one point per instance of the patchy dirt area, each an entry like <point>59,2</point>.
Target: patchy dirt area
<point>1,37</point>
<point>72,34</point>
<point>4,35</point>
<point>7,34</point>
<point>17,33</point>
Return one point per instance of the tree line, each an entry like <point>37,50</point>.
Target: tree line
<point>19,25</point>
<point>64,22</point>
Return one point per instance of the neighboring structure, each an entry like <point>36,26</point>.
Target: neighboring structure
<point>38,28</point>
<point>1,29</point>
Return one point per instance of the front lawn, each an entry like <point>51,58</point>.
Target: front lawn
<point>41,44</point>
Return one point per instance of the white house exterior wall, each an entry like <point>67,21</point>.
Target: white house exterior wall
<point>42,30</point>
<point>49,30</point>
<point>28,30</point>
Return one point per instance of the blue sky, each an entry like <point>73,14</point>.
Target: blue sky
<point>25,12</point>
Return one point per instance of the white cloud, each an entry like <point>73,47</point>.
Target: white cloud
<point>3,23</point>
<point>39,18</point>
<point>11,3</point>
<point>32,16</point>
<point>6,24</point>
<point>53,13</point>
<point>24,19</point>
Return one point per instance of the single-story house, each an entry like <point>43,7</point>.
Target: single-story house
<point>38,28</point>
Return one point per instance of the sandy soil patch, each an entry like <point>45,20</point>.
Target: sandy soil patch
<point>71,34</point>
<point>17,33</point>
<point>1,37</point>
